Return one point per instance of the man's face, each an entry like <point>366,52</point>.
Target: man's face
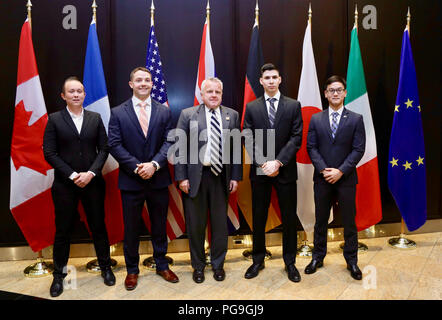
<point>270,80</point>
<point>73,93</point>
<point>212,94</point>
<point>335,94</point>
<point>141,84</point>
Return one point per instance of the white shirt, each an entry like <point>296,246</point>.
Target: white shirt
<point>78,122</point>
<point>277,96</point>
<point>206,161</point>
<point>338,118</point>
<point>137,107</point>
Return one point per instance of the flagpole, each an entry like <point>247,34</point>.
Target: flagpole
<point>149,262</point>
<point>305,250</point>
<point>93,266</point>
<point>401,242</point>
<point>29,6</point>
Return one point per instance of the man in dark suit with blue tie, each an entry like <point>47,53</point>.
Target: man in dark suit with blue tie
<point>280,115</point>
<point>138,130</point>
<point>75,145</point>
<point>335,144</point>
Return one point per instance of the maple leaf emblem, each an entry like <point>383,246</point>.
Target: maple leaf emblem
<point>27,141</point>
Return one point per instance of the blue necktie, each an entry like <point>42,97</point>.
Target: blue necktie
<point>334,125</point>
<point>272,111</point>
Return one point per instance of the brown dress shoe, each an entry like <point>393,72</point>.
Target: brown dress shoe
<point>131,281</point>
<point>168,275</point>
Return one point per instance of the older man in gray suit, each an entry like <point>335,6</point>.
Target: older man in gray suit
<point>208,179</point>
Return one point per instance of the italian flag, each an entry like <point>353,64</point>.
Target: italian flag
<point>368,195</point>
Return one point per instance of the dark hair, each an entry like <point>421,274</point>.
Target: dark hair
<point>335,78</point>
<point>71,78</point>
<point>268,67</point>
<point>138,69</point>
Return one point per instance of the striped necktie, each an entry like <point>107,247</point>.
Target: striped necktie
<point>142,117</point>
<point>334,125</point>
<point>215,145</point>
<point>272,111</point>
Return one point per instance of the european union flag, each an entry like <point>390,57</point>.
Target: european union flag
<point>406,168</point>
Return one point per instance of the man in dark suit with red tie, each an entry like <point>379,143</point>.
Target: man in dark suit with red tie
<point>280,115</point>
<point>75,145</point>
<point>335,144</point>
<point>138,130</point>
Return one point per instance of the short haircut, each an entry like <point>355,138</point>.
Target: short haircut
<point>335,78</point>
<point>71,78</point>
<point>212,79</point>
<point>138,69</point>
<point>268,67</point>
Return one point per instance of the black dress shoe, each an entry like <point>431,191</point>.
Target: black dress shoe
<point>312,266</point>
<point>108,276</point>
<point>219,274</point>
<point>355,271</point>
<point>56,287</point>
<point>198,276</point>
<point>253,270</point>
<point>293,273</point>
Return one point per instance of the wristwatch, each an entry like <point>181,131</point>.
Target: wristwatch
<point>155,166</point>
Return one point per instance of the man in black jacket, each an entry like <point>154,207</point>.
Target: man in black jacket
<point>75,145</point>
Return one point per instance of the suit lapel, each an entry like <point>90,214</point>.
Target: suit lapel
<point>133,116</point>
<point>225,117</point>
<point>153,118</point>
<point>326,124</point>
<point>202,125</point>
<point>342,122</point>
<point>280,111</point>
<point>86,120</point>
<point>264,112</point>
<point>69,121</point>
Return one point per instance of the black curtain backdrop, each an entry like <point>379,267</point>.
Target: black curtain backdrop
<point>123,33</point>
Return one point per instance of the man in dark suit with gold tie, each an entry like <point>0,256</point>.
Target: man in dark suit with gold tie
<point>280,115</point>
<point>75,145</point>
<point>335,144</point>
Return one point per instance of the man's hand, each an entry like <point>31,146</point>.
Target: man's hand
<point>332,175</point>
<point>83,179</point>
<point>184,186</point>
<point>233,186</point>
<point>271,168</point>
<point>146,170</point>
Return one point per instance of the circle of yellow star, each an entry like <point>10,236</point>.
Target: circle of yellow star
<point>407,165</point>
<point>394,162</point>
<point>409,103</point>
<point>420,161</point>
<point>419,107</point>
<point>396,108</point>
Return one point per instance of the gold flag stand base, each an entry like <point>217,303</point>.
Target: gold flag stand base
<point>150,264</point>
<point>362,247</point>
<point>39,269</point>
<point>248,254</point>
<point>304,251</point>
<point>402,243</point>
<point>94,267</point>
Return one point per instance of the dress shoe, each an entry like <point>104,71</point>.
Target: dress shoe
<point>219,274</point>
<point>198,276</point>
<point>56,287</point>
<point>131,281</point>
<point>168,275</point>
<point>253,270</point>
<point>355,271</point>
<point>108,276</point>
<point>293,273</point>
<point>312,266</point>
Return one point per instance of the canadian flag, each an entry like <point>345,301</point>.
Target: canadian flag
<point>31,176</point>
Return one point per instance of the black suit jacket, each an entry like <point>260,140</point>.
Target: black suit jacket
<point>185,168</point>
<point>288,136</point>
<point>343,152</point>
<point>67,151</point>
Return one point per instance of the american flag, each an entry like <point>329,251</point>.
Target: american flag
<point>175,215</point>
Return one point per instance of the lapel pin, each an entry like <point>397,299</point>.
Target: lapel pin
<point>227,118</point>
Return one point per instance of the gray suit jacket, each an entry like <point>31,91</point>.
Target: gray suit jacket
<point>192,121</point>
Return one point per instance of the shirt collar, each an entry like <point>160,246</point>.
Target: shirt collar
<point>74,115</point>
<point>340,110</point>
<point>136,101</point>
<point>277,96</point>
<point>217,110</point>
